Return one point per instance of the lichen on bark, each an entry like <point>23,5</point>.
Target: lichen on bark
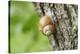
<point>65,18</point>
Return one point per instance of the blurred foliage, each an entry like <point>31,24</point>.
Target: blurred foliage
<point>24,33</point>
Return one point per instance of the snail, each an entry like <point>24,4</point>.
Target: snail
<point>46,25</point>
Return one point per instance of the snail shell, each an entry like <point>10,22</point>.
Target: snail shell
<point>46,25</point>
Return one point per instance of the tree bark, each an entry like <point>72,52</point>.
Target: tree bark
<point>65,18</point>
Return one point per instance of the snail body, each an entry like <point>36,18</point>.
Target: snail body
<point>47,27</point>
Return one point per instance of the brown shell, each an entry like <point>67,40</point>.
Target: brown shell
<point>45,20</point>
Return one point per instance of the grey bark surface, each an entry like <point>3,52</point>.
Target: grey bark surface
<point>65,18</point>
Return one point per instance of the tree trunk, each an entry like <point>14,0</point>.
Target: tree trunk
<point>65,18</point>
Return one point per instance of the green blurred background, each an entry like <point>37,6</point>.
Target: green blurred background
<point>24,33</point>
